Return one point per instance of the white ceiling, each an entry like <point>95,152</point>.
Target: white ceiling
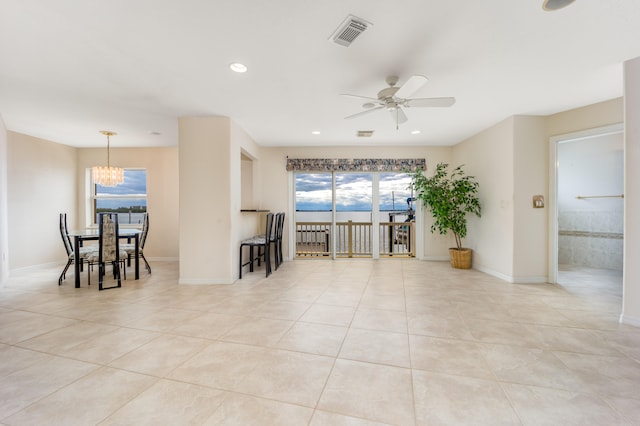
<point>69,68</point>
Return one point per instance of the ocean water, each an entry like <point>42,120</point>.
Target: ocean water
<point>130,218</point>
<point>359,216</point>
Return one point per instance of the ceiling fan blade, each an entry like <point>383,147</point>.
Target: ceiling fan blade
<point>358,97</point>
<point>358,114</point>
<point>411,86</point>
<point>398,116</point>
<point>429,102</point>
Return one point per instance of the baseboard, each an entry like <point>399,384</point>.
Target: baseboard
<point>626,319</point>
<point>435,258</point>
<point>488,271</point>
<point>203,281</point>
<point>39,266</point>
<point>530,280</point>
<point>163,259</point>
<point>510,278</point>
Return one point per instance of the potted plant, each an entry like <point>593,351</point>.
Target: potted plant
<point>449,197</point>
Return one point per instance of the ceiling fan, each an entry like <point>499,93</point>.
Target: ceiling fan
<point>394,98</point>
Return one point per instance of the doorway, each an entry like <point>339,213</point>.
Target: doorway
<point>587,210</point>
<point>353,214</point>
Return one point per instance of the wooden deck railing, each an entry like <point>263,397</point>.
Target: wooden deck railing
<point>355,239</point>
<point>397,239</point>
<point>313,239</point>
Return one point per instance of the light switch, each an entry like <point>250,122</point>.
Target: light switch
<point>538,201</point>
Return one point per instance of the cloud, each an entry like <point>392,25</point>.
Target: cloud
<point>353,191</point>
<point>135,183</point>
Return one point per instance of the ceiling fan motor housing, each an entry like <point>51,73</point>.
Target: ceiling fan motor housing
<point>387,93</point>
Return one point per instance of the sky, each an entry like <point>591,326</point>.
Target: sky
<point>313,191</point>
<point>135,184</point>
<point>353,191</point>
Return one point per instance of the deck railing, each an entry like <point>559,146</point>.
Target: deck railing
<point>354,239</point>
<point>397,239</point>
<point>313,239</point>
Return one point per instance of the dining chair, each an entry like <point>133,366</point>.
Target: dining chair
<point>280,233</point>
<point>130,248</point>
<point>85,252</point>
<point>108,250</point>
<point>261,242</point>
<point>276,238</point>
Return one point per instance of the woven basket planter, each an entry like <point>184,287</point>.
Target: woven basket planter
<point>460,259</point>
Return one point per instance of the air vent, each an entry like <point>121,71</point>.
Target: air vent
<point>365,133</point>
<point>349,30</point>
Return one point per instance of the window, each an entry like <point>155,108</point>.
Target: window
<point>128,199</point>
<point>395,193</point>
<point>313,192</point>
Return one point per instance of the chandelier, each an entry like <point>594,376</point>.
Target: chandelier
<point>107,176</point>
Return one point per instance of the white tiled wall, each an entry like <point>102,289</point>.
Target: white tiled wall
<point>591,238</point>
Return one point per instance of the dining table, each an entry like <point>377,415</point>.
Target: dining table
<point>92,234</point>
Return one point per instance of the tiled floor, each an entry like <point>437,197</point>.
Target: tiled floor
<point>322,343</point>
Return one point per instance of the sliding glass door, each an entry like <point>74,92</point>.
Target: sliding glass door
<point>342,214</point>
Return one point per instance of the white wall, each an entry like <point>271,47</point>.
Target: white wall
<point>211,153</point>
<point>591,167</point>
<point>161,165</point>
<point>49,178</point>
<point>4,221</point>
<point>489,156</point>
<point>244,225</point>
<point>40,185</point>
<point>588,117</point>
<point>275,181</point>
<point>631,300</point>
<point>530,177</point>
<point>205,200</point>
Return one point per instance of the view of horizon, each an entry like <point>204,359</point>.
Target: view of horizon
<point>353,192</point>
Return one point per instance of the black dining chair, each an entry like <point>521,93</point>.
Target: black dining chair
<point>130,248</point>
<point>280,236</point>
<point>263,244</point>
<point>85,252</point>
<point>108,250</point>
<point>276,239</point>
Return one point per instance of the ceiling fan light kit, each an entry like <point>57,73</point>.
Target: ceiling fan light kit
<point>394,98</point>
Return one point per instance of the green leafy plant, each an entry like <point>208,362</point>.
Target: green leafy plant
<point>449,197</point>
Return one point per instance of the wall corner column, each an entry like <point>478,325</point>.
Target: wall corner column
<point>631,274</point>
<point>204,199</point>
<point>4,207</point>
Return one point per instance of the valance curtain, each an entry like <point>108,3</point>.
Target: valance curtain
<point>355,164</point>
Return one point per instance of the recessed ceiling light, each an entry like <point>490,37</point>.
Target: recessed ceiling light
<point>315,132</point>
<point>238,67</point>
<point>415,132</point>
